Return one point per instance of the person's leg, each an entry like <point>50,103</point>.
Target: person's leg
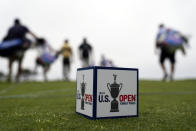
<point>172,68</point>
<point>19,69</point>
<point>86,62</point>
<point>64,72</point>
<point>46,68</point>
<point>64,68</point>
<point>67,70</point>
<point>162,59</point>
<point>11,60</point>
<point>83,63</point>
<point>68,66</point>
<point>36,66</point>
<point>164,71</point>
<point>172,71</point>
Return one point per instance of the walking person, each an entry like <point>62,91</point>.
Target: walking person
<point>46,56</point>
<point>169,41</point>
<point>14,46</point>
<point>67,54</point>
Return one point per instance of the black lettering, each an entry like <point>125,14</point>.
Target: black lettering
<point>107,98</point>
<point>100,98</point>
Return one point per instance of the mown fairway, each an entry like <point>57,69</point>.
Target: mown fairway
<point>51,106</point>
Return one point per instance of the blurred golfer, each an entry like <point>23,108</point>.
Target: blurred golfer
<point>168,41</point>
<point>67,53</point>
<point>14,45</point>
<point>106,62</point>
<point>85,52</point>
<point>46,56</point>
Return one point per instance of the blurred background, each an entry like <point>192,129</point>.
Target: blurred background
<point>124,31</point>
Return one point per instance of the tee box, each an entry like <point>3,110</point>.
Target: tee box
<point>107,92</point>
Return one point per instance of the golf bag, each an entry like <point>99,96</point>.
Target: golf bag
<point>46,59</point>
<point>173,40</point>
<point>10,47</point>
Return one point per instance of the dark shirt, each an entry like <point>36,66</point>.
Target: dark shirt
<point>16,32</point>
<point>85,48</point>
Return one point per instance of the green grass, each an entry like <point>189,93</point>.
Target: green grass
<point>51,106</point>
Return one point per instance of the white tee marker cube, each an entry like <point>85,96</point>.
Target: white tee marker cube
<point>107,92</point>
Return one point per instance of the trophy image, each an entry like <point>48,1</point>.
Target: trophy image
<point>83,84</point>
<point>114,90</point>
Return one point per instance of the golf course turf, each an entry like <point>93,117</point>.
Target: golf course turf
<point>51,106</point>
